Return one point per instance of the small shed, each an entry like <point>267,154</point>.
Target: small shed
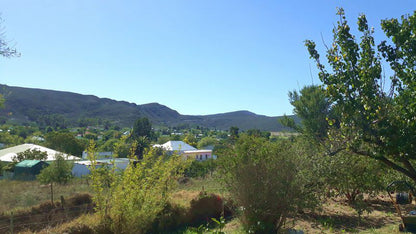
<point>28,169</point>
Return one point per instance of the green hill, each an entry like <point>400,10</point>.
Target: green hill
<point>24,105</point>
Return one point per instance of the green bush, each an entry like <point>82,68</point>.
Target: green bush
<point>170,219</point>
<point>200,168</point>
<point>205,207</point>
<point>270,181</point>
<point>133,200</point>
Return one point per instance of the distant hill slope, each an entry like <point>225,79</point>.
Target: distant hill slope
<point>30,105</point>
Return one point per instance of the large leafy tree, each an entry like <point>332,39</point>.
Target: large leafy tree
<point>346,173</point>
<point>374,120</point>
<point>141,128</point>
<point>65,142</point>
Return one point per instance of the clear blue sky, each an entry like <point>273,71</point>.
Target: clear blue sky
<point>194,56</point>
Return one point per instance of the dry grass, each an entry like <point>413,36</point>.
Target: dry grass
<point>334,217</point>
<point>17,195</point>
<point>207,184</point>
<point>87,220</point>
<point>337,217</point>
<point>182,197</point>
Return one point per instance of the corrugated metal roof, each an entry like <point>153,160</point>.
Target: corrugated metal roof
<point>28,163</point>
<point>176,146</point>
<point>8,154</point>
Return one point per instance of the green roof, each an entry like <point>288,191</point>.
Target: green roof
<point>28,163</point>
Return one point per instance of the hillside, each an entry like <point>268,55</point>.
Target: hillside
<point>25,105</point>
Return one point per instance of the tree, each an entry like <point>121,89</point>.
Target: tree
<point>373,121</point>
<point>207,141</point>
<point>9,139</point>
<point>30,155</point>
<point>141,144</point>
<point>312,106</point>
<point>234,132</point>
<point>141,134</point>
<point>58,172</point>
<point>347,173</point>
<point>258,133</point>
<point>190,139</point>
<point>142,128</point>
<point>65,142</point>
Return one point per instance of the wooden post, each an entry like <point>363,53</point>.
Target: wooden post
<point>62,202</point>
<point>11,223</point>
<point>52,192</point>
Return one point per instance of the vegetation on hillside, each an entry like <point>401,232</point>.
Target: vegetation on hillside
<point>64,109</point>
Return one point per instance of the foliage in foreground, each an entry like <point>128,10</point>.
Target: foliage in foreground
<point>269,180</point>
<point>131,201</point>
<point>374,121</point>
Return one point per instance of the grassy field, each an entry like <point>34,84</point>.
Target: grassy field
<point>335,216</point>
<point>17,195</point>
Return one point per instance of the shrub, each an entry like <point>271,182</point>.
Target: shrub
<point>200,168</point>
<point>170,219</point>
<point>266,181</point>
<point>205,207</point>
<point>132,201</point>
<point>79,199</point>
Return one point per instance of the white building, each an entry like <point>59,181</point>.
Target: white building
<point>199,155</point>
<point>82,168</point>
<point>187,151</point>
<point>176,146</point>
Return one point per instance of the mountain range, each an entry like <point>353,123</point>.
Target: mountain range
<point>24,105</point>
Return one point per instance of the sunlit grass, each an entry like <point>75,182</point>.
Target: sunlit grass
<point>17,195</point>
<point>208,184</point>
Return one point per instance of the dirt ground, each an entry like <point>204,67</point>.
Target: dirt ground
<point>336,216</point>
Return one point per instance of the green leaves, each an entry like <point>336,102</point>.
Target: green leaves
<point>30,155</point>
<point>276,169</point>
<point>131,200</point>
<point>59,171</point>
<point>373,120</point>
<point>312,105</point>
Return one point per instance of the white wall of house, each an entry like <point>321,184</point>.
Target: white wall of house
<point>200,155</point>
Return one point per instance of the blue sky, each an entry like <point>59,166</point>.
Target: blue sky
<point>195,56</point>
